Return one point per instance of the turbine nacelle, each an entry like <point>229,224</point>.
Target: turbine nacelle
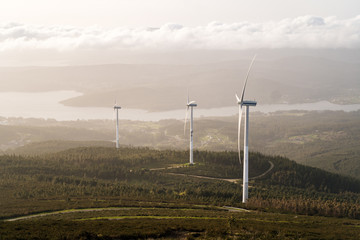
<point>249,103</point>
<point>116,106</point>
<point>246,102</point>
<point>191,104</point>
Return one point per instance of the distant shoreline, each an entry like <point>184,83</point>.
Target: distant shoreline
<point>46,105</point>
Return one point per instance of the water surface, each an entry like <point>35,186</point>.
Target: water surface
<point>47,105</point>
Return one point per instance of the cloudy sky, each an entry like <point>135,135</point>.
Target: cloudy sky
<point>154,13</point>
<point>30,30</point>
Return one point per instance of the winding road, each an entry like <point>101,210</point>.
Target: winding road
<point>38,215</point>
<point>234,180</point>
<point>115,208</point>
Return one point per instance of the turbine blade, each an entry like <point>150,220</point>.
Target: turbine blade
<point>187,110</point>
<point>247,75</point>
<point>239,132</point>
<point>188,97</point>
<point>237,98</point>
<point>186,116</point>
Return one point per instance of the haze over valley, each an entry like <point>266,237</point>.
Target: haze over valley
<point>312,77</point>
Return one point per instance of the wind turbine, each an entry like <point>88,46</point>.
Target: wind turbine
<point>116,107</point>
<point>241,102</point>
<point>190,105</point>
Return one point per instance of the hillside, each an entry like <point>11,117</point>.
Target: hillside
<point>92,167</point>
<point>53,146</point>
<point>141,181</point>
<point>327,140</point>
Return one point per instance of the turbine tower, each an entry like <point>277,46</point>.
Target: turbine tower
<point>241,102</point>
<point>190,105</point>
<point>116,107</point>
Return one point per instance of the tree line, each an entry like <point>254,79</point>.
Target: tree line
<point>80,177</point>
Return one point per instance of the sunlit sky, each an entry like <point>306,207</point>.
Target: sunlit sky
<point>51,32</point>
<point>154,13</point>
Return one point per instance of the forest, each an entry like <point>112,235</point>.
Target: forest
<point>136,177</point>
<point>327,139</point>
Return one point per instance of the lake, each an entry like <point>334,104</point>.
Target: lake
<point>46,105</point>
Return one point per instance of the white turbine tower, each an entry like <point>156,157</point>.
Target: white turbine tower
<point>116,107</point>
<point>190,105</point>
<point>247,104</point>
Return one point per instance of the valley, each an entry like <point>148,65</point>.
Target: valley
<point>64,179</point>
<point>189,120</point>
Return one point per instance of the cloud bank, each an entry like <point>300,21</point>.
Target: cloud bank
<point>302,32</point>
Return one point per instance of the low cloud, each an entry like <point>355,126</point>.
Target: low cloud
<point>302,32</point>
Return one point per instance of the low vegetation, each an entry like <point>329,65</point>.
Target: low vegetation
<point>147,201</point>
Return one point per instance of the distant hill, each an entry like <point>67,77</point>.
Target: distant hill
<point>295,77</point>
<point>39,148</point>
<point>327,140</point>
<point>211,164</point>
